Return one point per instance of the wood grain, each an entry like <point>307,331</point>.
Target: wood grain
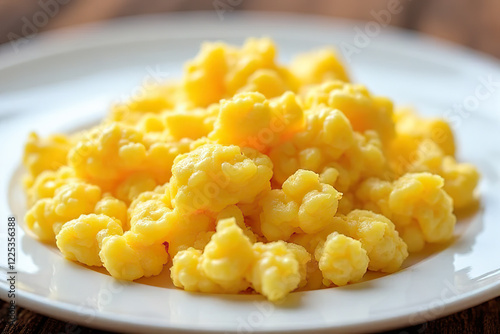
<point>484,318</point>
<point>474,23</point>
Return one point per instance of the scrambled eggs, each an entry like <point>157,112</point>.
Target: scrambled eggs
<point>249,175</point>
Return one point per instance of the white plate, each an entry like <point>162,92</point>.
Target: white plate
<point>66,80</point>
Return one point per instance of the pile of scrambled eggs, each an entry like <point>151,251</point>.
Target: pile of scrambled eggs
<point>249,175</point>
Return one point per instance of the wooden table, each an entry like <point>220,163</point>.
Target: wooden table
<point>474,23</point>
<point>480,319</point>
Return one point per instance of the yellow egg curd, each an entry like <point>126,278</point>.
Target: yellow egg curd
<point>249,175</point>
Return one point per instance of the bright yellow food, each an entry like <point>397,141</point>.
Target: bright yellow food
<point>341,259</point>
<point>213,176</point>
<point>303,205</point>
<point>378,236</point>
<point>80,239</point>
<point>417,204</point>
<point>249,175</point>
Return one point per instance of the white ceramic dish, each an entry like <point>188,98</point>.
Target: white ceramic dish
<point>66,80</point>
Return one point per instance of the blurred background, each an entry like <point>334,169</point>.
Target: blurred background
<point>474,23</point>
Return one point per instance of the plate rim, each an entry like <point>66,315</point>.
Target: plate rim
<point>35,302</point>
